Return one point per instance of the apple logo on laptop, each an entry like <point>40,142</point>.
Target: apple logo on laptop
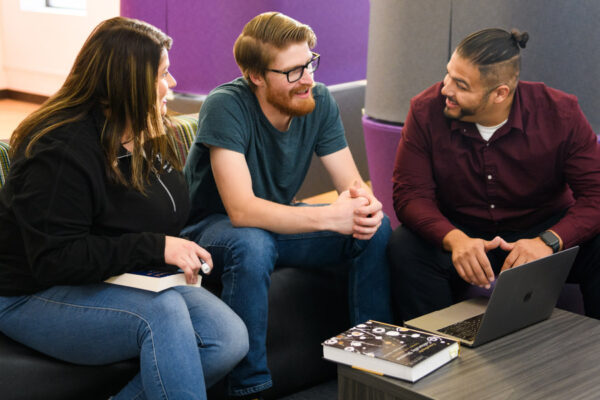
<point>527,297</point>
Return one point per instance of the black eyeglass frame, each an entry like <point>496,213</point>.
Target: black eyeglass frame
<point>315,57</point>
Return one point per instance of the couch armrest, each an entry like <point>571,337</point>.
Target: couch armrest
<point>184,129</point>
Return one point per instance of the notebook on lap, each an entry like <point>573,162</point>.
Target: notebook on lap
<point>521,297</point>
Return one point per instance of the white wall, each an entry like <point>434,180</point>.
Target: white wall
<point>39,48</point>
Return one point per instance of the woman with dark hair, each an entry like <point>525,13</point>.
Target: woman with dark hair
<point>95,190</point>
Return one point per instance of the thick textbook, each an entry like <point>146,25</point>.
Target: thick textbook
<point>153,280</point>
<point>391,350</point>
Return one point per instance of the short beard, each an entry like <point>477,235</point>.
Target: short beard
<point>283,103</point>
<point>466,112</point>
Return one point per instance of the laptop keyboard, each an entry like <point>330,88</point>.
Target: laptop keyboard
<point>466,329</point>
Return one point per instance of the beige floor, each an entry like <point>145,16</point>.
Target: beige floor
<point>323,198</point>
<point>12,112</point>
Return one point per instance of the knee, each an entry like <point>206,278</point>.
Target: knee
<point>378,241</point>
<point>397,245</point>
<point>233,336</point>
<point>586,264</point>
<point>253,241</point>
<point>403,246</point>
<point>166,313</point>
<point>252,250</point>
<point>167,307</point>
<point>384,231</point>
<point>594,248</point>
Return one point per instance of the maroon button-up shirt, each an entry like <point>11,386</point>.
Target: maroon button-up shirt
<point>544,160</point>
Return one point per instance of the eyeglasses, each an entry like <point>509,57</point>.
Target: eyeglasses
<point>294,75</point>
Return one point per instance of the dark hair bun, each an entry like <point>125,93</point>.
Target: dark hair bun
<point>519,38</point>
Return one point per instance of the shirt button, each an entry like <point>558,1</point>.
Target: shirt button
<point>487,145</point>
<point>489,177</point>
<point>492,206</point>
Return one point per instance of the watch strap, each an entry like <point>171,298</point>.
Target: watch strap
<point>551,240</point>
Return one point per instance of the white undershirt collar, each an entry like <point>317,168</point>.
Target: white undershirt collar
<point>486,132</point>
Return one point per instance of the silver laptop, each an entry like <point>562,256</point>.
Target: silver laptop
<point>521,297</point>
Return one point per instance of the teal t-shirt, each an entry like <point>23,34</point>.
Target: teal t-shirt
<point>231,118</point>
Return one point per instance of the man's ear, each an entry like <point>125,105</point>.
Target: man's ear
<point>502,92</point>
<point>257,79</point>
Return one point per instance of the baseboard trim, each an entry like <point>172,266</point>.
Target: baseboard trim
<point>22,96</point>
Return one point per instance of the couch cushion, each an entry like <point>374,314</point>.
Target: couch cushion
<point>27,374</point>
<point>4,162</point>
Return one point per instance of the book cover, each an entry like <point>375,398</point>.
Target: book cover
<point>391,350</point>
<point>153,280</point>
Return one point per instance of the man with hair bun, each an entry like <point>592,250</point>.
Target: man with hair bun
<point>491,173</point>
<point>256,139</point>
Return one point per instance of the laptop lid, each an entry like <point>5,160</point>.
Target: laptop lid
<point>522,296</point>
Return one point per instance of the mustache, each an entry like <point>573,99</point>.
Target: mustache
<point>303,88</point>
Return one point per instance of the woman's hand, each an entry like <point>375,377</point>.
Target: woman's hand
<point>187,256</point>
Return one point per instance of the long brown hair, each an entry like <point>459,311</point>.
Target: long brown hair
<point>116,70</point>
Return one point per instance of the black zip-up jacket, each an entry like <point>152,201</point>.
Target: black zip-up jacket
<point>63,222</point>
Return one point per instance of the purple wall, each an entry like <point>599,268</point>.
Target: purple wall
<point>204,31</point>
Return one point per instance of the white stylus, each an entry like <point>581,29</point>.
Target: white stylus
<point>205,267</point>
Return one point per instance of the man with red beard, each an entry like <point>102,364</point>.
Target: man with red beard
<point>256,138</point>
<point>491,173</point>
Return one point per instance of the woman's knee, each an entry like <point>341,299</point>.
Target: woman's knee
<point>168,307</point>
<point>234,338</point>
<point>215,324</point>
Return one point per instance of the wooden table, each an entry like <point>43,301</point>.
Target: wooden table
<point>556,359</point>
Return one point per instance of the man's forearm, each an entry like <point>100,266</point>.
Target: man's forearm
<point>337,217</point>
<point>279,218</point>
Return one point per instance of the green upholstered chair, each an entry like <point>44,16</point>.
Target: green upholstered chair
<point>4,162</point>
<point>184,127</point>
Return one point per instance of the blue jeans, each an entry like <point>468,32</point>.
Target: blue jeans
<point>186,338</point>
<point>248,256</point>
